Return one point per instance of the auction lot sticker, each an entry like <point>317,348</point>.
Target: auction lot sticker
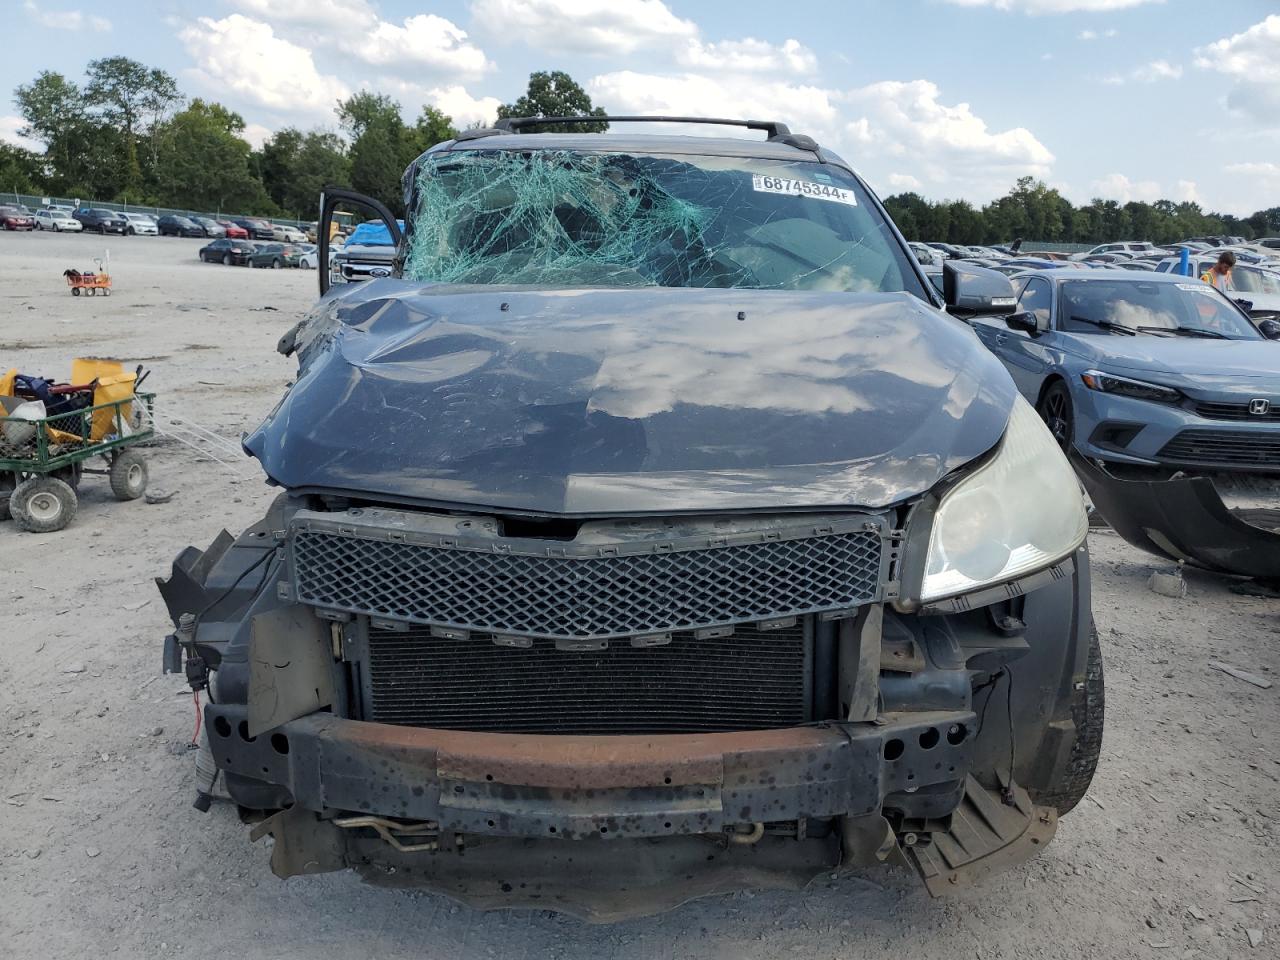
<point>802,188</point>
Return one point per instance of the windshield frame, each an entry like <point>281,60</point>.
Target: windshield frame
<point>910,268</point>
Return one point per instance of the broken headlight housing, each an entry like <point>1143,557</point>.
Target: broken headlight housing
<point>1019,512</point>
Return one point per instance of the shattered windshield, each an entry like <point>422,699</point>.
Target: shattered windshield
<point>562,218</point>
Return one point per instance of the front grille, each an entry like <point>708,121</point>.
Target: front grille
<point>617,590</point>
<point>752,680</point>
<point>1237,411</point>
<point>1257,450</point>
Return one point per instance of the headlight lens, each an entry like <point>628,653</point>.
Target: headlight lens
<point>1020,512</point>
<point>1138,389</point>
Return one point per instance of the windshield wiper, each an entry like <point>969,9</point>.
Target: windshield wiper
<point>1198,332</point>
<point>1106,325</point>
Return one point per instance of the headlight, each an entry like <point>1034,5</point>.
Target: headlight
<point>1138,389</point>
<point>1020,512</point>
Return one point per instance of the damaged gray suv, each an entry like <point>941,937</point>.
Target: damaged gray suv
<point>652,531</point>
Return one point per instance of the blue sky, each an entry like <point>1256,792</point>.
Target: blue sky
<point>1124,99</point>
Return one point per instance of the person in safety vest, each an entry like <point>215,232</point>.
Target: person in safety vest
<point>1219,275</point>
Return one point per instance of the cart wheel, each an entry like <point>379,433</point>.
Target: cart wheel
<point>128,475</point>
<point>7,482</point>
<point>93,291</point>
<point>75,291</point>
<point>43,504</point>
<point>106,291</point>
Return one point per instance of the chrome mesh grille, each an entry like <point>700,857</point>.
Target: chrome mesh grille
<point>595,596</point>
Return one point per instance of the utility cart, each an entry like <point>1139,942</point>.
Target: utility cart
<point>43,458</point>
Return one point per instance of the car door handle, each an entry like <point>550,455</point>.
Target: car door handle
<point>1001,338</point>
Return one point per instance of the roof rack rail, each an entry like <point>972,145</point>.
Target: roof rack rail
<point>775,130</point>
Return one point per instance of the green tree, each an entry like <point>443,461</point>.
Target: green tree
<point>19,169</point>
<point>321,160</point>
<point>204,163</point>
<point>276,161</point>
<point>132,99</point>
<point>380,145</point>
<point>555,94</point>
<point>432,127</point>
<point>54,114</point>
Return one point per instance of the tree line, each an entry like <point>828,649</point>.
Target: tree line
<point>1039,213</point>
<point>128,134</point>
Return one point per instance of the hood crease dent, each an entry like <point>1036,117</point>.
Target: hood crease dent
<point>594,402</point>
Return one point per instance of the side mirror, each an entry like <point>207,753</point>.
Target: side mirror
<point>969,289</point>
<point>1270,328</point>
<point>1025,322</point>
<point>330,197</point>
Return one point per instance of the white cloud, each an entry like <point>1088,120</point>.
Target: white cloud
<point>1053,6</point>
<point>943,144</point>
<point>1151,72</point>
<point>1116,186</point>
<point>600,27</point>
<point>905,125</point>
<point>454,101</point>
<point>1264,169</point>
<point>246,57</point>
<point>749,55</point>
<point>9,127</point>
<point>1252,59</point>
<point>256,134</point>
<point>354,29</point>
<point>903,181</point>
<point>1096,35</point>
<point>1187,191</point>
<point>421,41</point>
<point>65,19</point>
<point>809,108</point>
<point>336,14</point>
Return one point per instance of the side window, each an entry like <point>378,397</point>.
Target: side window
<point>1036,299</point>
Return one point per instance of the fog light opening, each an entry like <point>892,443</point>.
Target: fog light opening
<point>894,749</point>
<point>929,738</point>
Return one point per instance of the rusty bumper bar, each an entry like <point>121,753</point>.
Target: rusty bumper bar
<point>575,787</point>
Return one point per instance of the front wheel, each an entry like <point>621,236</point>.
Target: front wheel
<point>226,259</point>
<point>275,264</point>
<point>1087,714</point>
<point>1056,409</point>
<point>43,504</point>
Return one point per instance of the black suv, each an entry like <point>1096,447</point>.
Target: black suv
<point>653,519</point>
<point>172,225</point>
<point>103,221</point>
<point>258,229</point>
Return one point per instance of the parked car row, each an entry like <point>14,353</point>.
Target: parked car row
<point>276,256</point>
<point>60,219</point>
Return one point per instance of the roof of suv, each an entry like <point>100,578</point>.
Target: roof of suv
<point>644,143</point>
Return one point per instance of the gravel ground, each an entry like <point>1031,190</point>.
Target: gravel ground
<point>1174,854</point>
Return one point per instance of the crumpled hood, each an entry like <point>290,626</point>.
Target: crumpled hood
<point>653,400</point>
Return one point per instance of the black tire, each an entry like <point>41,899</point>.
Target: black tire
<point>7,482</point>
<point>128,475</point>
<point>275,264</point>
<point>75,291</point>
<point>1087,713</point>
<point>132,232</point>
<point>43,504</point>
<point>226,259</point>
<point>1058,413</point>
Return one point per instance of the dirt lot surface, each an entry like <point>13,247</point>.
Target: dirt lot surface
<point>1176,853</point>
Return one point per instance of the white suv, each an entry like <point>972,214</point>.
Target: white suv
<point>1136,248</point>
